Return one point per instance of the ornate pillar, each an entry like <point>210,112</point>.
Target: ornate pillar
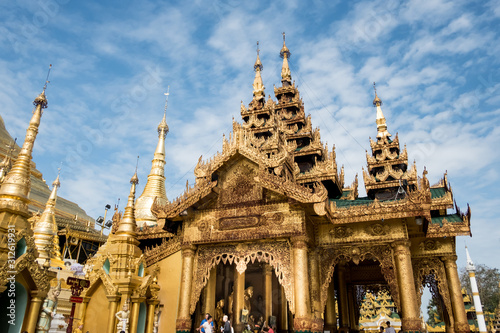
<point>330,313</point>
<point>268,291</point>
<point>134,313</point>
<point>343,303</point>
<point>82,311</point>
<point>238,301</point>
<point>408,296</point>
<point>150,316</point>
<point>352,319</point>
<point>114,301</point>
<point>283,325</point>
<point>210,293</point>
<point>302,320</point>
<point>317,321</point>
<point>34,310</point>
<point>183,322</point>
<point>457,302</point>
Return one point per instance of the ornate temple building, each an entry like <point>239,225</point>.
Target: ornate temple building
<point>269,234</point>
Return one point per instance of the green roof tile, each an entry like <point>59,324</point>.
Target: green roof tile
<point>438,192</point>
<point>453,218</point>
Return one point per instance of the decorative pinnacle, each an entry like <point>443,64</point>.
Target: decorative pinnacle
<point>163,127</point>
<point>258,64</point>
<point>47,79</point>
<point>135,179</point>
<point>166,99</point>
<point>376,101</point>
<point>285,51</point>
<point>56,182</point>
<point>470,264</point>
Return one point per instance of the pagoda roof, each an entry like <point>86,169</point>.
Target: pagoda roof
<point>450,218</point>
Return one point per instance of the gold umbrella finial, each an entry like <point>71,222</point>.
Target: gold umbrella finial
<point>286,75</point>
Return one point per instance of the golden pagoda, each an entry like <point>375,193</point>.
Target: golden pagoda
<point>23,282</point>
<point>269,234</point>
<point>45,230</point>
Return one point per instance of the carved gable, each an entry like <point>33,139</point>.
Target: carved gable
<point>238,184</point>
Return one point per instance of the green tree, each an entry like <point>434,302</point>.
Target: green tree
<point>433,313</point>
<point>487,282</point>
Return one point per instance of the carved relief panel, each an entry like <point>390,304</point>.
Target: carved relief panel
<point>238,184</point>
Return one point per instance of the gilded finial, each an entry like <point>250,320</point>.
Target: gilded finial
<point>47,79</point>
<point>163,127</point>
<point>56,182</point>
<point>258,63</point>
<point>135,179</point>
<point>286,75</point>
<point>41,99</point>
<point>285,52</point>
<point>258,85</point>
<point>376,101</point>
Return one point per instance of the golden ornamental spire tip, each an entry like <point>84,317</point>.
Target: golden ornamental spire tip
<point>376,101</point>
<point>285,51</point>
<point>47,79</point>
<point>135,179</point>
<point>258,63</point>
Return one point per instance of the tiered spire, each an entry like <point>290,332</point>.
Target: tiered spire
<point>383,135</point>
<point>155,185</point>
<point>388,176</point>
<point>17,183</point>
<point>258,85</point>
<point>46,238</point>
<point>286,76</point>
<point>127,225</point>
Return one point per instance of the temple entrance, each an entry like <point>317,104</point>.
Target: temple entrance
<point>263,302</point>
<point>359,299</point>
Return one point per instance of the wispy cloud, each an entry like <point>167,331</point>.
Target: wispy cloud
<point>435,64</point>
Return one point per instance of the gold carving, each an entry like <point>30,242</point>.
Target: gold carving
<point>276,254</point>
<point>378,229</point>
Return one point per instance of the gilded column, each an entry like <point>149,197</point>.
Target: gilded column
<point>408,296</point>
<point>114,301</point>
<point>34,310</point>
<point>352,319</point>
<point>302,320</point>
<point>210,293</point>
<point>268,291</point>
<point>183,322</point>
<point>317,321</point>
<point>82,311</point>
<point>134,313</point>
<point>239,301</point>
<point>457,302</point>
<point>150,317</point>
<point>330,313</point>
<point>343,299</point>
<point>283,310</point>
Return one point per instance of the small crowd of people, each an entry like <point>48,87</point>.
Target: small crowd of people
<point>388,329</point>
<point>207,326</point>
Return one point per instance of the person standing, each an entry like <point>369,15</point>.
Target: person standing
<point>206,325</point>
<point>204,321</point>
<point>389,329</point>
<point>227,325</point>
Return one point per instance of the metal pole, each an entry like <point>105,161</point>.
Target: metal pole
<point>70,323</point>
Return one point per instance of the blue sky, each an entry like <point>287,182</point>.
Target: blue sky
<point>436,66</point>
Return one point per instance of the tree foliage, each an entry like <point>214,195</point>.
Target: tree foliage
<point>432,312</point>
<point>487,282</point>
